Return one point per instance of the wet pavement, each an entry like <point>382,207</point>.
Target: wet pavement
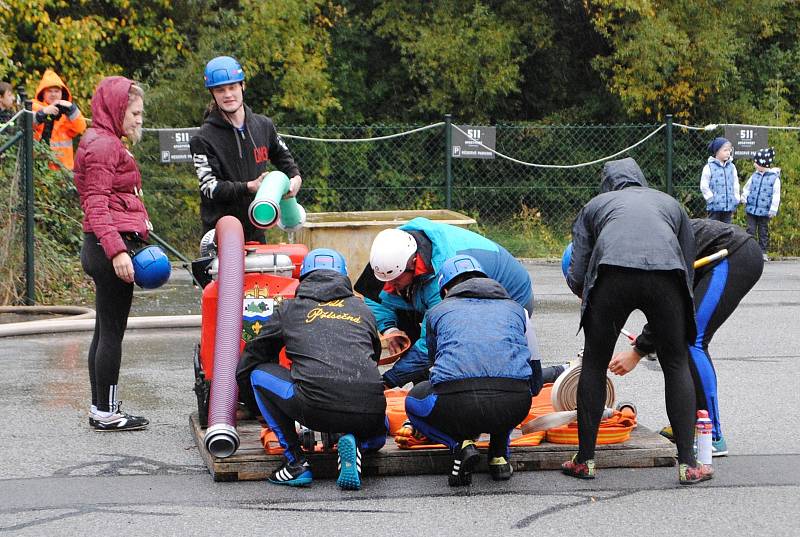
<point>58,477</point>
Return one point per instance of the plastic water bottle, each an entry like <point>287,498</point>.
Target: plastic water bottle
<point>702,437</point>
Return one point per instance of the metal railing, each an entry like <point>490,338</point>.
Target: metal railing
<point>20,136</point>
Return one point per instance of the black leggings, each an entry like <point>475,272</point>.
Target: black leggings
<point>662,297</point>
<point>282,404</point>
<point>451,418</point>
<point>113,299</point>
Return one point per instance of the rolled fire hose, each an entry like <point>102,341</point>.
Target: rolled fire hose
<point>269,206</point>
<point>556,419</point>
<point>564,395</point>
<point>564,398</point>
<point>221,439</point>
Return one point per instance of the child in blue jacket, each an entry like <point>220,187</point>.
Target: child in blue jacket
<point>719,181</point>
<point>762,196</point>
<point>480,377</point>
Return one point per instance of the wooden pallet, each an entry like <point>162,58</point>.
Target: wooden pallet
<point>645,448</point>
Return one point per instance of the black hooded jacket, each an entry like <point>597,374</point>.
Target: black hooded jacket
<point>629,225</point>
<point>710,236</point>
<point>332,339</point>
<point>225,159</point>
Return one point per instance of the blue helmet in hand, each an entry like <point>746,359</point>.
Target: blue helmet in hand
<point>223,70</point>
<point>151,268</point>
<point>455,266</point>
<point>566,259</point>
<point>323,258</point>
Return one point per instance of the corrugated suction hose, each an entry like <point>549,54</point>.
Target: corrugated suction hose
<point>221,438</point>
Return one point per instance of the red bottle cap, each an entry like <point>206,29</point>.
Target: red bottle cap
<point>702,413</point>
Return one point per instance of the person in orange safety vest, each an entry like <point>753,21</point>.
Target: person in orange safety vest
<point>57,120</point>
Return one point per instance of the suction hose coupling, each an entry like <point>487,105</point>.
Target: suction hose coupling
<point>221,440</point>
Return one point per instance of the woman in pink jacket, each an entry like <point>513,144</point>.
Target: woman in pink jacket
<point>115,223</point>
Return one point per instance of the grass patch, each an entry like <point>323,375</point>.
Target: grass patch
<point>527,235</point>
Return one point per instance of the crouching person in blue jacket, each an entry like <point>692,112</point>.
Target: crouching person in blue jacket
<point>333,385</point>
<point>480,378</point>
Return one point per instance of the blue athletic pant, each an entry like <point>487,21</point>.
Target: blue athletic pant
<point>281,405</point>
<point>451,418</point>
<point>716,295</point>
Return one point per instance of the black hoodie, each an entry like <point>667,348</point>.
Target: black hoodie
<point>225,159</point>
<point>332,339</point>
<point>629,225</point>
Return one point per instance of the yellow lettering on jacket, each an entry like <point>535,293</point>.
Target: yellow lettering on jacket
<point>319,313</point>
<point>334,303</point>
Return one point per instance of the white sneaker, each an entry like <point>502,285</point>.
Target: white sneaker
<point>116,421</point>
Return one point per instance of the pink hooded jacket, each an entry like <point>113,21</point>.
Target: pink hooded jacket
<point>106,174</point>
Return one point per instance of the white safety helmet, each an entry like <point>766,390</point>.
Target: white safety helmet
<point>391,250</point>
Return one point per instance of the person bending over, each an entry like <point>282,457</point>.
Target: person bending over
<point>633,249</point>
<point>718,289</point>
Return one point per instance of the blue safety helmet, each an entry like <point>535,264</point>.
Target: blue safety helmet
<point>223,70</point>
<point>566,258</point>
<point>455,266</point>
<point>151,268</point>
<point>323,258</point>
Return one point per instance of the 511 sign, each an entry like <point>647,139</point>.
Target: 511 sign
<point>746,140</point>
<point>478,142</point>
<point>174,145</point>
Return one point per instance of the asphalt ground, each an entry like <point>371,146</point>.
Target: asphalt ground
<point>59,477</point>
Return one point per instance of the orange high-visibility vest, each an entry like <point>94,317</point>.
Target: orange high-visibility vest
<point>65,128</point>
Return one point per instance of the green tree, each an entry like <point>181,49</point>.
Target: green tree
<point>684,56</point>
<point>283,47</point>
<point>460,56</point>
<point>83,40</point>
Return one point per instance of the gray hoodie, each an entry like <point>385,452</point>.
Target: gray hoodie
<point>629,225</point>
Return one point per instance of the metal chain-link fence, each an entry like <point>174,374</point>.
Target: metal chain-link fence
<point>408,171</point>
<point>539,174</point>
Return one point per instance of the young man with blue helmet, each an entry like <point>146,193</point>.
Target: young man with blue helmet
<point>232,149</point>
<point>480,372</point>
<point>400,286</point>
<point>333,385</point>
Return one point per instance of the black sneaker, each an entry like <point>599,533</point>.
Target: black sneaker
<point>296,474</point>
<point>117,421</point>
<point>500,469</point>
<point>463,463</point>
